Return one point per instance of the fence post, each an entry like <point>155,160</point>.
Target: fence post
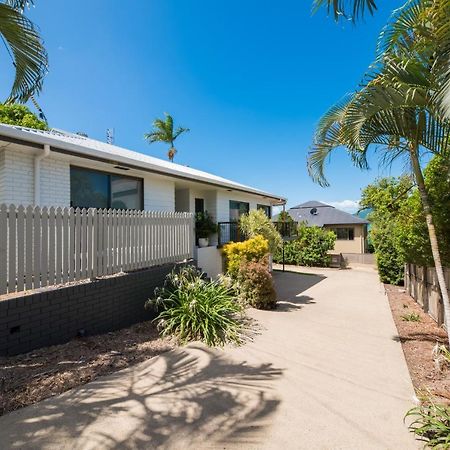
<point>3,248</point>
<point>425,296</point>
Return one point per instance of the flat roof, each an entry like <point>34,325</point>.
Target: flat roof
<point>69,143</point>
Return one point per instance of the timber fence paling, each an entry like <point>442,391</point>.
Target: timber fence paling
<point>422,285</point>
<point>42,247</point>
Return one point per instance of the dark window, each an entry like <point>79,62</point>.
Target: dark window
<point>266,209</point>
<point>344,234</point>
<point>199,205</point>
<point>95,189</point>
<point>237,209</point>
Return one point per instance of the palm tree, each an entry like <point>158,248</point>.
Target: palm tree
<point>353,9</point>
<point>26,49</point>
<point>437,12</point>
<point>396,111</point>
<point>163,132</point>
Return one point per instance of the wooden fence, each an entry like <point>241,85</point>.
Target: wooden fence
<point>422,285</point>
<point>48,246</point>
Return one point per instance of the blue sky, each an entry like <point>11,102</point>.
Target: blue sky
<point>249,78</point>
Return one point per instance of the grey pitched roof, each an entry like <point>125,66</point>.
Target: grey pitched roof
<point>320,214</point>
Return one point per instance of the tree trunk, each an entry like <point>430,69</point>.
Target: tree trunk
<point>432,234</point>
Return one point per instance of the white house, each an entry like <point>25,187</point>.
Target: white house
<point>55,168</point>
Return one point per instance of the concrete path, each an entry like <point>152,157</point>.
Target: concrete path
<point>325,372</point>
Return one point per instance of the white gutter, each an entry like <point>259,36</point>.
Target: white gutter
<point>37,173</point>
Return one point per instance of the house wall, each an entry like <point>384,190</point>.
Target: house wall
<point>18,178</point>
<point>55,182</point>
<point>223,203</point>
<point>182,200</point>
<point>159,193</point>
<point>17,181</point>
<point>357,245</point>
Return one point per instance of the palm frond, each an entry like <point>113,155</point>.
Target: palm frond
<point>349,9</point>
<point>180,130</point>
<point>28,52</point>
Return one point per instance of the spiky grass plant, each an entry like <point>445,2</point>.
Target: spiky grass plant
<point>192,308</point>
<point>431,425</point>
<point>411,317</point>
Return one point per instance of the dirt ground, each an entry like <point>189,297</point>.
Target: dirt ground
<point>43,373</point>
<point>418,340</point>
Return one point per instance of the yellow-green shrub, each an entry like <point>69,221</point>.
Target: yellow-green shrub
<point>254,249</point>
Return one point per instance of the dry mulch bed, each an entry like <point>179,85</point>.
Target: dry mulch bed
<point>43,373</point>
<point>418,340</point>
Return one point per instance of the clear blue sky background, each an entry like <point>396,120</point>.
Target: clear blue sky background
<point>250,78</point>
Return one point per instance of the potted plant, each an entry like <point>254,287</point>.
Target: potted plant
<point>204,228</point>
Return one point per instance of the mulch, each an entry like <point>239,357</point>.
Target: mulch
<point>29,378</point>
<point>418,340</point>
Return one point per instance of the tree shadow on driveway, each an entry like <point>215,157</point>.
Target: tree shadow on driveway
<point>186,398</point>
<point>290,286</point>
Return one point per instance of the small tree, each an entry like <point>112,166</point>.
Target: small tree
<point>20,115</point>
<point>257,223</point>
<point>163,131</point>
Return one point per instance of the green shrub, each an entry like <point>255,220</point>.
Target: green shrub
<point>310,248</point>
<point>20,115</point>
<point>254,249</point>
<point>256,223</point>
<point>256,285</point>
<point>431,425</point>
<point>204,225</point>
<point>192,308</point>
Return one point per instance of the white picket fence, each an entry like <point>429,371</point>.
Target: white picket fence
<point>49,246</point>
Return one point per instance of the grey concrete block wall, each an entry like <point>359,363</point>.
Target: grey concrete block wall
<point>56,316</point>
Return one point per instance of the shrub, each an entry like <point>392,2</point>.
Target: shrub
<point>431,425</point>
<point>12,114</point>
<point>256,285</point>
<point>310,248</point>
<point>254,249</point>
<point>192,308</point>
<point>204,225</point>
<point>256,223</point>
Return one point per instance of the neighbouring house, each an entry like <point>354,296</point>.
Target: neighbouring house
<point>351,231</point>
<point>56,168</point>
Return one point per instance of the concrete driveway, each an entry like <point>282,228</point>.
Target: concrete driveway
<point>325,372</point>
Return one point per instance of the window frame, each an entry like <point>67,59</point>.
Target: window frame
<point>239,203</point>
<point>266,208</point>
<point>199,200</point>
<point>109,175</point>
<point>350,233</point>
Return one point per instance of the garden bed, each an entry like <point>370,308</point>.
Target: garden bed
<point>418,339</point>
<point>32,377</point>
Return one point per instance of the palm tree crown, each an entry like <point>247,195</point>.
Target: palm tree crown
<point>163,131</point>
<point>396,110</point>
<point>26,50</point>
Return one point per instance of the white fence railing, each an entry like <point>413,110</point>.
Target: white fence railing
<point>48,246</point>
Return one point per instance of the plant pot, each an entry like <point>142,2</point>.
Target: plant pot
<point>203,242</point>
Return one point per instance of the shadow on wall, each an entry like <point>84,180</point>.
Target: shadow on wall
<point>188,396</point>
<point>290,286</point>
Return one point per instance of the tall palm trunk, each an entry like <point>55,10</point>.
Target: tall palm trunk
<point>432,233</point>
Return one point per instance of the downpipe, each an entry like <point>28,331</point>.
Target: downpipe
<point>37,173</point>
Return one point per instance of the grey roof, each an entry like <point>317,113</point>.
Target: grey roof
<point>320,214</point>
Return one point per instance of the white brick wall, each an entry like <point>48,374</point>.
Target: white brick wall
<point>159,194</point>
<point>18,180</point>
<point>55,182</point>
